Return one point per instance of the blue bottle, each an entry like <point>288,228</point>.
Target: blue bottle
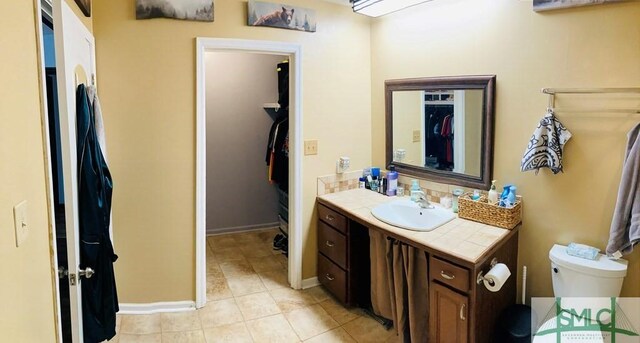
<point>511,198</point>
<point>504,195</point>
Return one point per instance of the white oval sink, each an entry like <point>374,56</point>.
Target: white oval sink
<point>407,214</point>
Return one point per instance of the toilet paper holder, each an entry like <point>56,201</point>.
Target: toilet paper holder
<point>481,277</point>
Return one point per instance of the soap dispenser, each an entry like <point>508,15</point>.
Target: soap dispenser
<point>493,194</point>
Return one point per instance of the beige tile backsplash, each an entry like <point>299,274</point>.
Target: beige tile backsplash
<point>349,180</point>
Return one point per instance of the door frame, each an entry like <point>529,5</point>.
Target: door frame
<point>39,13</point>
<point>294,51</point>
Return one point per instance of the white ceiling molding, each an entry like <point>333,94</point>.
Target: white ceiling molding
<point>377,8</point>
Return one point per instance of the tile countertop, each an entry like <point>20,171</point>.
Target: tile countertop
<point>463,238</point>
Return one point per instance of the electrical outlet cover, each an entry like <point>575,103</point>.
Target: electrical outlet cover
<point>311,147</point>
<point>416,136</point>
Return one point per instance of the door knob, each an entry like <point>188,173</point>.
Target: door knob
<point>87,272</point>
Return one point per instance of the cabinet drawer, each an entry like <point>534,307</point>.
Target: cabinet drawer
<point>332,244</point>
<point>333,278</point>
<point>333,218</point>
<point>449,274</point>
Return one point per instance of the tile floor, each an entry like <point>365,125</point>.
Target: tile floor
<point>249,300</point>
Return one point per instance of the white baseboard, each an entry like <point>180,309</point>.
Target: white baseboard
<point>310,282</point>
<point>246,228</point>
<point>148,308</point>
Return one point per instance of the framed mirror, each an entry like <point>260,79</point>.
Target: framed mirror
<point>441,128</point>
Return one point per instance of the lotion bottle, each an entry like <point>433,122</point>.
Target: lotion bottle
<point>493,194</point>
<point>392,181</point>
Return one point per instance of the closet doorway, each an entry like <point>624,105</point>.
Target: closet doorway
<point>248,186</point>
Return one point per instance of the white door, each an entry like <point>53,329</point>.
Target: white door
<point>75,64</point>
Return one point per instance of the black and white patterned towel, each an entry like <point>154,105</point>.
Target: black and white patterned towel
<point>546,144</point>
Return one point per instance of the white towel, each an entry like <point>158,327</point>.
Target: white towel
<point>625,224</point>
<point>546,144</point>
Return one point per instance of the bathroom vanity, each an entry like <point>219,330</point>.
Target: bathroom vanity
<point>460,309</point>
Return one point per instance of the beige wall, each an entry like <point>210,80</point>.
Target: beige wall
<point>238,193</point>
<point>407,112</point>
<point>27,313</point>
<point>147,85</point>
<point>596,46</point>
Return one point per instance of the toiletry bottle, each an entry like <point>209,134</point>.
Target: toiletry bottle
<point>375,172</point>
<point>361,182</point>
<point>392,181</point>
<point>476,195</point>
<point>374,183</point>
<point>456,194</point>
<point>493,194</point>
<point>415,190</point>
<point>375,175</point>
<point>382,189</point>
<point>504,194</point>
<point>511,198</point>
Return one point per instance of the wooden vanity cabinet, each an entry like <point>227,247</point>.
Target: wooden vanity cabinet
<point>448,309</point>
<point>343,248</point>
<point>460,310</point>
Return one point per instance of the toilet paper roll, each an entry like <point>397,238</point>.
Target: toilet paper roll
<point>496,277</point>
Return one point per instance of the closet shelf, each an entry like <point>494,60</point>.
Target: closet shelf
<point>272,109</point>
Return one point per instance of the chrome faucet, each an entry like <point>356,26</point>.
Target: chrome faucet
<point>422,200</point>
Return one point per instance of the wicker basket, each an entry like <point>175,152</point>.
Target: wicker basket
<point>483,212</point>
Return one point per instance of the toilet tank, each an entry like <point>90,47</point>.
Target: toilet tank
<point>578,277</point>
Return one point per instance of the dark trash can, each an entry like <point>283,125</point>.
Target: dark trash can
<point>514,325</point>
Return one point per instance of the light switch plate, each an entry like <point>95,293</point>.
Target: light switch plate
<point>311,147</point>
<point>416,136</point>
<point>20,222</point>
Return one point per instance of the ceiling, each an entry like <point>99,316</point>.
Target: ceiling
<point>341,2</point>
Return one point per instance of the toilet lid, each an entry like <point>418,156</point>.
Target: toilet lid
<point>602,267</point>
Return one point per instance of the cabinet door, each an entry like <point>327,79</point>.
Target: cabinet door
<point>448,317</point>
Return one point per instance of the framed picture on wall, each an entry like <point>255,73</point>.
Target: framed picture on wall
<point>281,16</point>
<point>546,5</point>
<point>85,7</point>
<point>197,10</point>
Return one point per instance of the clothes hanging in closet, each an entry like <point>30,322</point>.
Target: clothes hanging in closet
<point>283,85</point>
<point>447,134</point>
<point>95,186</point>
<point>439,137</point>
<point>277,157</point>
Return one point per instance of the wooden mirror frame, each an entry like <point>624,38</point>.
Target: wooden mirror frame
<point>487,83</point>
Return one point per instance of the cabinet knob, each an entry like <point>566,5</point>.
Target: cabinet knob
<point>447,275</point>
<point>329,217</point>
<point>462,312</point>
<point>329,277</point>
<point>330,244</point>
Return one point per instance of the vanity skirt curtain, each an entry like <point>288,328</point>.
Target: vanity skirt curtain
<point>99,296</point>
<point>399,286</point>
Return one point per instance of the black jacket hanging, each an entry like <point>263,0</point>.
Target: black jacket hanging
<point>277,157</point>
<point>283,85</point>
<point>99,295</point>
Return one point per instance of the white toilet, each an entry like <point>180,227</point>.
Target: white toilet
<point>575,277</point>
<point>578,277</point>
